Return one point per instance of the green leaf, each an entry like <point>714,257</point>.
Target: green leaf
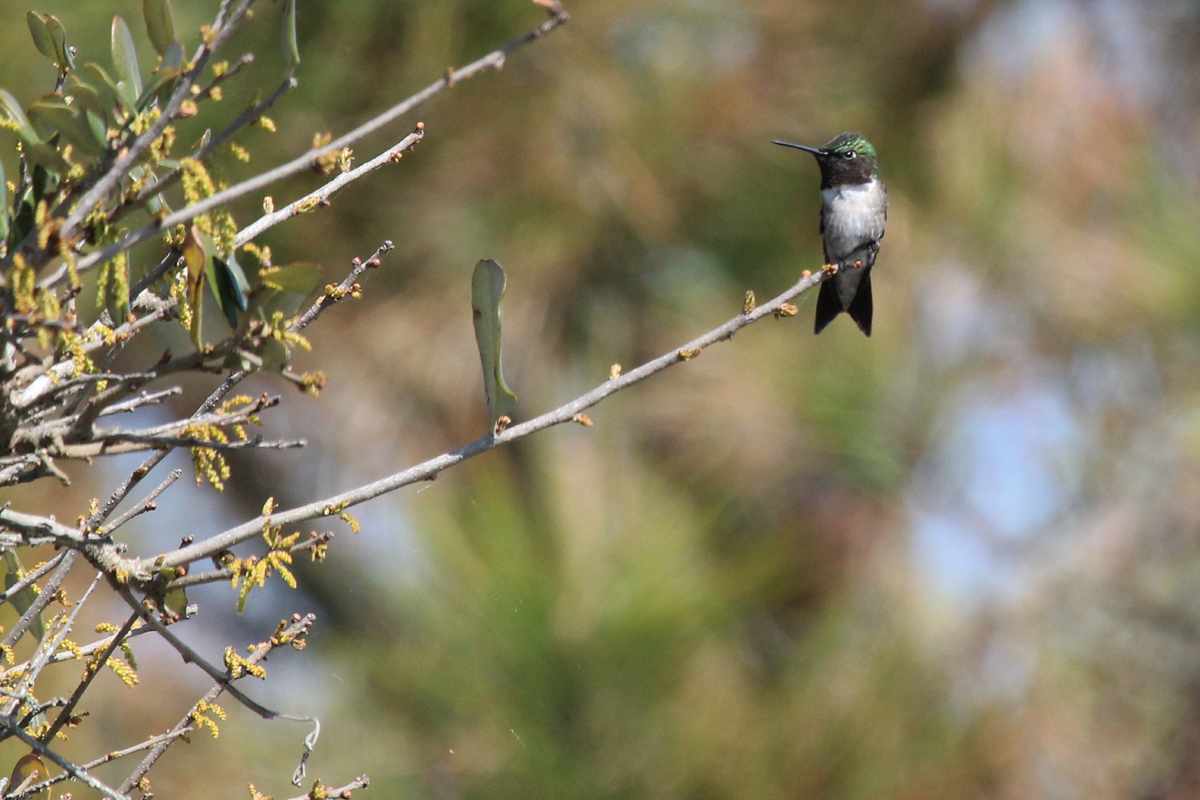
<point>62,53</point>
<point>31,768</point>
<point>300,278</point>
<point>160,25</point>
<point>274,356</point>
<point>106,87</point>
<point>12,109</point>
<point>47,156</point>
<point>4,212</point>
<point>125,59</point>
<point>52,114</point>
<point>86,96</point>
<point>487,299</point>
<point>291,49</point>
<point>23,599</point>
<point>42,39</point>
<point>228,285</point>
<point>172,57</point>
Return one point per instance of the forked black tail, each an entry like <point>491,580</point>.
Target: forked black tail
<point>829,305</point>
<point>861,308</point>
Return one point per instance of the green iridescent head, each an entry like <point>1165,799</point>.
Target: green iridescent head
<point>847,158</point>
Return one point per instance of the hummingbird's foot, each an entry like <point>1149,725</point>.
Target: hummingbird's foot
<point>831,269</point>
<point>858,264</point>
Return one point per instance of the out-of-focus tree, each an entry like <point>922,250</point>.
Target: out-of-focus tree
<point>954,559</point>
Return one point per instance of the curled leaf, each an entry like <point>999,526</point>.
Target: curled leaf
<point>487,298</point>
<point>291,48</point>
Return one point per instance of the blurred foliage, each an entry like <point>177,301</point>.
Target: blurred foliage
<point>957,559</point>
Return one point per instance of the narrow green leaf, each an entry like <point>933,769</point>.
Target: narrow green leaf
<point>47,156</point>
<point>42,39</point>
<point>487,299</point>
<point>301,278</point>
<point>23,599</point>
<point>226,281</point>
<point>172,57</point>
<point>291,48</point>
<point>125,58</point>
<point>274,356</point>
<point>52,114</point>
<point>4,211</point>
<point>62,53</point>
<point>106,87</point>
<point>160,25</point>
<point>12,109</point>
<point>87,97</point>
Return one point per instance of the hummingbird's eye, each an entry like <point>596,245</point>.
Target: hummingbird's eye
<point>849,154</point>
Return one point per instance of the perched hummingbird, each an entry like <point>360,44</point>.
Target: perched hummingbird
<point>853,215</point>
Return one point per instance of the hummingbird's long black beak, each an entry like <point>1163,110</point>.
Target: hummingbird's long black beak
<point>814,150</point>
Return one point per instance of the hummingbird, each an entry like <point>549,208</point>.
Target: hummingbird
<point>853,216</point>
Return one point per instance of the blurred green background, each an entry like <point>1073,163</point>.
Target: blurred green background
<point>958,559</point>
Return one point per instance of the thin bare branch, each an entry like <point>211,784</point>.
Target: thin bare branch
<point>89,674</point>
<point>29,579</point>
<point>295,631</point>
<point>429,469</point>
<point>145,504</point>
<point>314,199</point>
<point>73,771</point>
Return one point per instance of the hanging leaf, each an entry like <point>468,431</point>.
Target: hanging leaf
<point>228,285</point>
<point>291,48</point>
<point>4,213</point>
<point>172,58</point>
<point>23,599</point>
<point>160,25</point>
<point>274,355</point>
<point>300,278</point>
<point>42,39</point>
<point>194,254</point>
<point>86,96</point>
<point>46,156</point>
<point>125,60</point>
<point>52,114</point>
<point>487,298</point>
<point>12,109</point>
<point>29,768</point>
<point>110,95</point>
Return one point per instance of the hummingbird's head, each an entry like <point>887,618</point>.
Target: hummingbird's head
<point>846,159</point>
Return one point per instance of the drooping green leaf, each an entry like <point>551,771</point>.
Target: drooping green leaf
<point>125,59</point>
<point>87,97</point>
<point>228,285</point>
<point>172,57</point>
<point>62,54</point>
<point>106,87</point>
<point>291,48</point>
<point>23,599</point>
<point>160,24</point>
<point>31,768</point>
<point>4,210</point>
<point>42,39</point>
<point>12,109</point>
<point>300,278</point>
<point>274,356</point>
<point>45,155</point>
<point>52,113</point>
<point>487,299</point>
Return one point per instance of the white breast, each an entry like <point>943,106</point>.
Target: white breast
<point>854,215</point>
